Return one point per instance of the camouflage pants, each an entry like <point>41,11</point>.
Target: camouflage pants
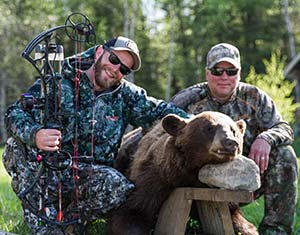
<point>99,190</point>
<point>279,186</point>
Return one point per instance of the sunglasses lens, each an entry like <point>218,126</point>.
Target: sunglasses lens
<point>124,70</point>
<point>115,60</point>
<point>219,71</point>
<point>231,72</point>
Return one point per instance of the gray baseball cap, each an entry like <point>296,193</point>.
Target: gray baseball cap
<point>223,52</point>
<point>121,43</point>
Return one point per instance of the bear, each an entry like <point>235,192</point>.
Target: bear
<point>170,156</point>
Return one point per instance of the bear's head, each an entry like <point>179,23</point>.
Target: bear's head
<point>209,137</point>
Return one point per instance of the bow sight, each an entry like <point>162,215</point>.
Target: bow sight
<point>78,28</point>
<point>47,60</point>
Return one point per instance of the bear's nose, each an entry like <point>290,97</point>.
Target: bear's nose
<point>230,144</point>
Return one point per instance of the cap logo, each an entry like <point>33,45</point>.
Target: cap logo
<point>125,44</point>
<point>131,45</point>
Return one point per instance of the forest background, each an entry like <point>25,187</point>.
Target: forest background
<point>173,36</point>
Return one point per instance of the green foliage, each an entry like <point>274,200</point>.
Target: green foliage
<point>256,27</point>
<point>250,25</point>
<point>296,146</point>
<point>274,84</point>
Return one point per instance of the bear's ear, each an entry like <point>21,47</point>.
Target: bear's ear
<point>241,125</point>
<point>173,124</point>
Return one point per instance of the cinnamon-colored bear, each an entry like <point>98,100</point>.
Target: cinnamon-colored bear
<point>170,156</point>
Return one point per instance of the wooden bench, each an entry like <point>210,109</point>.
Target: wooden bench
<point>213,210</point>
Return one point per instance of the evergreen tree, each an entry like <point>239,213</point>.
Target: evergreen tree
<point>276,86</point>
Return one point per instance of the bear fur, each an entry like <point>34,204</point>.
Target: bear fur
<point>170,156</point>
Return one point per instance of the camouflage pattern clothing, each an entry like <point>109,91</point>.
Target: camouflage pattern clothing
<point>279,182</point>
<point>101,119</point>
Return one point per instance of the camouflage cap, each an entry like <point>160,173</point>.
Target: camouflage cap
<point>223,52</point>
<point>125,44</point>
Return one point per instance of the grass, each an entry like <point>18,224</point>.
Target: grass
<point>11,216</point>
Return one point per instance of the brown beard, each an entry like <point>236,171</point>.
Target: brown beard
<point>102,84</point>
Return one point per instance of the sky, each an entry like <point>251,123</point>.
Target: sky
<point>151,10</point>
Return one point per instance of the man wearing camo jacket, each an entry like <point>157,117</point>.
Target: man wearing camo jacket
<point>96,121</point>
<point>268,137</point>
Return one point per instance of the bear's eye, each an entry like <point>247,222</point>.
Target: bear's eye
<point>233,130</point>
<point>209,129</point>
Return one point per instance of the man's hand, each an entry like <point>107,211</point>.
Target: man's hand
<point>48,139</point>
<point>259,152</point>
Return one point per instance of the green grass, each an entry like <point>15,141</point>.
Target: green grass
<point>11,216</point>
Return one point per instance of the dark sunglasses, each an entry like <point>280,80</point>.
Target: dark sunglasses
<point>114,59</point>
<point>219,71</point>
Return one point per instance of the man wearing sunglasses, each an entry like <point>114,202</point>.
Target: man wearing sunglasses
<point>267,139</point>
<point>97,104</point>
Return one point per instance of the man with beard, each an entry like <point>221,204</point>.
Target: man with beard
<point>97,105</point>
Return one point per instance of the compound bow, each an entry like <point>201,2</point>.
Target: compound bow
<point>78,28</point>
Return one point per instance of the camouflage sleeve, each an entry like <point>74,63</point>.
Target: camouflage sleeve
<point>189,96</point>
<point>144,110</point>
<point>276,131</point>
<point>23,124</point>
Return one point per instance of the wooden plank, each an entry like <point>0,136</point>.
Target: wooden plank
<point>226,218</point>
<point>215,218</point>
<point>174,214</point>
<point>218,195</point>
<point>212,204</point>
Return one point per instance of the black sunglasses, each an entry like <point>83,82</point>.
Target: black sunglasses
<point>219,71</point>
<point>114,59</point>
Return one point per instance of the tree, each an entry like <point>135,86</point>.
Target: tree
<point>273,82</point>
<point>256,27</point>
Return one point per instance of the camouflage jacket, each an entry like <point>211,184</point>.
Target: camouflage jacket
<point>101,118</point>
<point>248,103</point>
